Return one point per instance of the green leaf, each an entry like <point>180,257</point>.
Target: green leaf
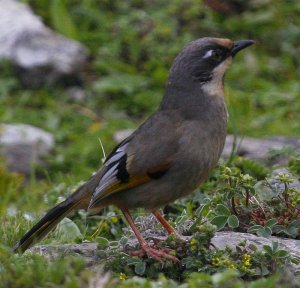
<point>203,210</point>
<point>123,240</point>
<point>133,261</point>
<point>222,210</point>
<point>278,229</point>
<point>274,246</point>
<point>252,247</point>
<point>264,232</point>
<point>229,195</point>
<point>181,219</point>
<point>219,221</point>
<point>233,221</point>
<point>295,223</point>
<point>295,260</point>
<point>223,277</point>
<point>67,230</point>
<point>281,254</point>
<point>292,231</point>
<point>140,268</point>
<point>61,19</point>
<point>268,249</point>
<point>103,242</point>
<point>254,228</point>
<point>114,244</point>
<point>270,223</point>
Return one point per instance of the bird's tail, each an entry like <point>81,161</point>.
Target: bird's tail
<point>78,200</point>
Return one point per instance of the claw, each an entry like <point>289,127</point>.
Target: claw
<point>158,255</point>
<point>157,240</point>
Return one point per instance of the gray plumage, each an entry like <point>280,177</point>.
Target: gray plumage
<point>171,153</point>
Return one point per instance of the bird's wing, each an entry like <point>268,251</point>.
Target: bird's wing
<point>135,161</point>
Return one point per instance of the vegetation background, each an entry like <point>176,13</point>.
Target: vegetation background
<point>132,45</point>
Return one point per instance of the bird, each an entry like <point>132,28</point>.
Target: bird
<point>169,155</point>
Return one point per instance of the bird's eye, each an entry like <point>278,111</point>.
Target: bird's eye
<point>217,55</point>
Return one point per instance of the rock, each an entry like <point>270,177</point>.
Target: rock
<point>122,134</point>
<point>232,239</point>
<point>275,187</point>
<point>221,240</point>
<point>76,93</point>
<point>24,145</point>
<point>88,251</point>
<point>275,183</point>
<point>41,56</point>
<point>259,148</point>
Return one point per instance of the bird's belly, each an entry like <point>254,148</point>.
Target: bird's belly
<point>191,167</point>
<point>152,195</point>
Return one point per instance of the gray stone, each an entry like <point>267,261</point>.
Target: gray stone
<point>40,55</point>
<point>88,251</point>
<point>261,149</point>
<point>23,146</point>
<point>76,93</point>
<point>273,187</point>
<point>221,240</point>
<point>148,226</point>
<point>122,134</point>
<point>275,183</point>
<point>232,239</point>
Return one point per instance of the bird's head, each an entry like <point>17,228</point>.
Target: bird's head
<point>202,64</point>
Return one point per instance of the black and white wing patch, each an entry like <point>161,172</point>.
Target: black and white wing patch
<point>118,174</point>
<point>115,174</point>
<point>116,169</point>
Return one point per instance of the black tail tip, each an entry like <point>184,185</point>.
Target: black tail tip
<point>17,249</point>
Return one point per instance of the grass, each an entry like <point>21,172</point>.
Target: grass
<point>133,44</point>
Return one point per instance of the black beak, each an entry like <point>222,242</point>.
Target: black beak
<point>240,45</point>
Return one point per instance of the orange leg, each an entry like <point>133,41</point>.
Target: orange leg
<point>156,254</point>
<point>170,229</point>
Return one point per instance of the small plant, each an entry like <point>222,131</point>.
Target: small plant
<point>254,206</point>
<point>265,230</point>
<point>9,184</point>
<point>294,165</point>
<point>275,255</point>
<point>251,167</point>
<point>223,217</point>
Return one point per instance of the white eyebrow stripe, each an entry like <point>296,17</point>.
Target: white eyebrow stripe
<point>207,54</point>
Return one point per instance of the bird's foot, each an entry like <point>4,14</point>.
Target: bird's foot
<point>156,239</point>
<point>178,237</point>
<point>158,254</point>
<point>181,238</point>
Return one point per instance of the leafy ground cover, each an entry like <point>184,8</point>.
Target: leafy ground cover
<point>132,45</point>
